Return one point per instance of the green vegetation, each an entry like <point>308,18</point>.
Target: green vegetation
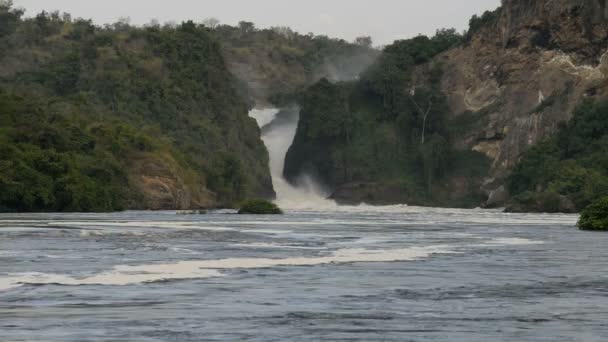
<point>569,171</point>
<point>259,207</point>
<point>89,116</point>
<point>277,62</point>
<point>478,22</point>
<point>595,216</point>
<point>388,127</point>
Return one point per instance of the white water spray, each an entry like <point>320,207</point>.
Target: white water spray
<point>307,194</point>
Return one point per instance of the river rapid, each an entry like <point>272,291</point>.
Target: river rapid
<point>343,273</point>
<point>319,273</point>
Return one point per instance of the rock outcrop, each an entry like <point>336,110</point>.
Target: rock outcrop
<point>161,186</point>
<point>513,80</point>
<point>523,73</point>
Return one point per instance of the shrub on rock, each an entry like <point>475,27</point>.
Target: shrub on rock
<point>260,207</point>
<point>595,216</point>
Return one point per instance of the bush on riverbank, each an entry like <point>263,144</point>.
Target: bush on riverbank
<point>260,207</point>
<point>571,165</point>
<point>595,216</point>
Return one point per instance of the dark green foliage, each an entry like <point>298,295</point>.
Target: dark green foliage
<point>9,18</point>
<point>82,107</point>
<point>573,164</point>
<point>389,79</point>
<point>383,128</point>
<point>542,202</point>
<point>63,75</point>
<point>276,62</point>
<point>48,164</point>
<point>230,180</point>
<point>595,216</point>
<point>478,22</point>
<point>259,207</point>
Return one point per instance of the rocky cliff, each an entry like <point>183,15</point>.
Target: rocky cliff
<point>523,72</point>
<point>511,81</point>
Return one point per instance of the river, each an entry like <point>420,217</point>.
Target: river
<point>352,273</point>
<point>320,272</point>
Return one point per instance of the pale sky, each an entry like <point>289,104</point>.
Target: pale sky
<point>384,20</point>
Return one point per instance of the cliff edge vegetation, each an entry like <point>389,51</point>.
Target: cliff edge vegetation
<point>387,138</point>
<point>104,118</point>
<point>568,171</point>
<point>271,64</point>
<point>448,124</point>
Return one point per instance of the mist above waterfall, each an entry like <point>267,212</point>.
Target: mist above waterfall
<point>278,132</point>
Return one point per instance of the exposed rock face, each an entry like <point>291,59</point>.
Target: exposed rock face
<point>519,75</point>
<point>525,73</point>
<point>161,187</point>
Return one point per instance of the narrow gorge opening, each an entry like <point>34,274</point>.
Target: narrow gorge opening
<point>278,132</point>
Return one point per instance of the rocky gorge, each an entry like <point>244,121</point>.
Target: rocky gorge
<point>155,117</point>
<point>516,76</point>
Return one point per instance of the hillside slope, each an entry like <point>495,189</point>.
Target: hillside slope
<point>271,64</point>
<point>121,117</point>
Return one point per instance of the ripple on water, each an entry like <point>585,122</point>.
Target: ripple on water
<point>127,275</point>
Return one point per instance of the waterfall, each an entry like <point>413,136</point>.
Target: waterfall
<point>278,132</point>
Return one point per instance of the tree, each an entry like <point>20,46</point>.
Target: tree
<point>246,26</point>
<point>434,155</point>
<point>154,23</point>
<point>284,31</point>
<point>423,113</point>
<point>9,17</point>
<point>123,24</point>
<point>365,41</point>
<point>211,23</point>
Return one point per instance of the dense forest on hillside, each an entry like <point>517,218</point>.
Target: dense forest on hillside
<point>388,132</point>
<point>100,118</point>
<point>277,62</point>
<point>104,118</point>
<point>568,171</point>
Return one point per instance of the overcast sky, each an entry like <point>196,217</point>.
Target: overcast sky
<point>384,20</point>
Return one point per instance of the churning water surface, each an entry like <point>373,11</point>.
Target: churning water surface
<point>278,132</point>
<point>342,273</point>
<point>319,273</point>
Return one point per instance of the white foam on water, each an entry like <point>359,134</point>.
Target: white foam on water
<point>263,116</point>
<point>308,194</point>
<point>507,241</point>
<point>275,245</point>
<point>136,224</point>
<point>100,232</point>
<point>18,221</point>
<point>117,277</point>
<point>266,231</point>
<point>338,257</point>
<point>514,242</point>
<point>184,250</point>
<point>128,275</point>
